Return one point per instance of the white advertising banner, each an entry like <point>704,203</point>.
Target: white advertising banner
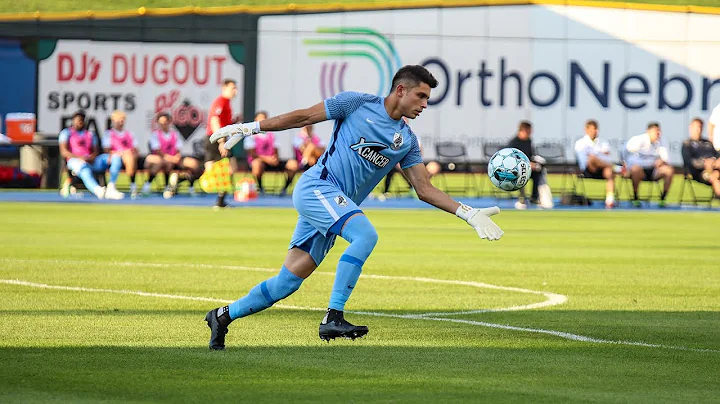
<point>556,66</point>
<point>141,79</point>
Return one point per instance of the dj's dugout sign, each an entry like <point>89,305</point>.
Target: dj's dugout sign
<point>556,66</point>
<point>141,79</point>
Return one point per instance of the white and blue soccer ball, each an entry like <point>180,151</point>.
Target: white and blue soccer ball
<point>509,169</point>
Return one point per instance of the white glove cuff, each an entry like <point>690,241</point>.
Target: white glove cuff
<point>463,212</point>
<point>250,128</point>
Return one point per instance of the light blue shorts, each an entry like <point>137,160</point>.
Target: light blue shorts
<point>323,209</point>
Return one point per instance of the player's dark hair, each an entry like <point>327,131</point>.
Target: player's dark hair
<point>412,76</point>
<point>653,125</point>
<point>163,114</point>
<point>525,125</point>
<point>226,82</point>
<point>700,121</point>
<point>79,113</point>
<point>591,122</point>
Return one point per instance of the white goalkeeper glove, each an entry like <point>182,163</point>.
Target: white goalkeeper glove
<point>235,133</point>
<point>479,219</point>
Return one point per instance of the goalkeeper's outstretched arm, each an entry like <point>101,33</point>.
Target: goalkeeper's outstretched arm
<point>426,191</point>
<point>478,219</point>
<point>295,119</point>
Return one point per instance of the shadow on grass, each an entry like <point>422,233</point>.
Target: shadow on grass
<point>338,372</point>
<point>469,367</point>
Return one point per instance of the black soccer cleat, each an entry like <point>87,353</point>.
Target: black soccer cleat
<point>217,331</point>
<point>334,326</point>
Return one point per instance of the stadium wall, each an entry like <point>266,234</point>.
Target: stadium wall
<point>554,65</point>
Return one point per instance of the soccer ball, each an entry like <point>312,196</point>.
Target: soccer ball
<point>509,169</point>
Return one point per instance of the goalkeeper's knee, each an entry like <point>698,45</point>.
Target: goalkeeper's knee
<point>361,235</point>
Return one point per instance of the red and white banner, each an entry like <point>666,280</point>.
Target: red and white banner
<point>140,79</point>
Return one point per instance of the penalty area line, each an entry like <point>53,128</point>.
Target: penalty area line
<point>560,334</point>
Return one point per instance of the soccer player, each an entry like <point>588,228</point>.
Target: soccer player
<point>308,147</point>
<point>80,149</point>
<point>700,158</point>
<point>432,167</point>
<point>165,146</point>
<point>540,189</point>
<point>647,158</point>
<point>220,115</point>
<point>714,127</point>
<point>121,148</point>
<point>262,155</point>
<point>369,138</point>
<point>593,158</point>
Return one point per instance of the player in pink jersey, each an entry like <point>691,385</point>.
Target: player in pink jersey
<point>165,146</point>
<point>262,155</point>
<point>308,147</point>
<point>121,147</point>
<point>80,149</point>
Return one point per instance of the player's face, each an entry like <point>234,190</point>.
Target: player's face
<point>695,130</point>
<point>164,123</point>
<point>260,117</point>
<point>78,123</point>
<point>413,100</point>
<point>230,91</point>
<point>119,123</point>
<point>591,131</point>
<point>654,134</point>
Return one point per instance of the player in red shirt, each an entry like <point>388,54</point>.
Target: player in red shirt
<point>220,115</point>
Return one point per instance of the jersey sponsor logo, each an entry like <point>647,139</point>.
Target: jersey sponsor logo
<point>341,201</point>
<point>370,151</point>
<point>368,120</point>
<point>397,141</point>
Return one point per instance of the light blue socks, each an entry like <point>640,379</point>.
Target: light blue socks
<point>361,235</point>
<point>86,175</point>
<point>115,167</point>
<point>266,294</point>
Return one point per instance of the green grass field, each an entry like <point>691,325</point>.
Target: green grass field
<point>81,5</point>
<point>649,277</point>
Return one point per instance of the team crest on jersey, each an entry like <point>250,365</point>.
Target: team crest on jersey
<point>370,151</point>
<point>397,141</point>
<point>340,201</point>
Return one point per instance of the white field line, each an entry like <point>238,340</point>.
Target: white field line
<point>561,334</point>
<point>138,293</point>
<point>552,299</point>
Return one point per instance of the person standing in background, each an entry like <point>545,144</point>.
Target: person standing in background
<point>220,115</point>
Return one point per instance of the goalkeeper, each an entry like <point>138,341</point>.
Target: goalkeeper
<point>369,138</point>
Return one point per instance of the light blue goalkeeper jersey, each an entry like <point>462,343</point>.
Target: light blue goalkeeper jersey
<point>365,145</point>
